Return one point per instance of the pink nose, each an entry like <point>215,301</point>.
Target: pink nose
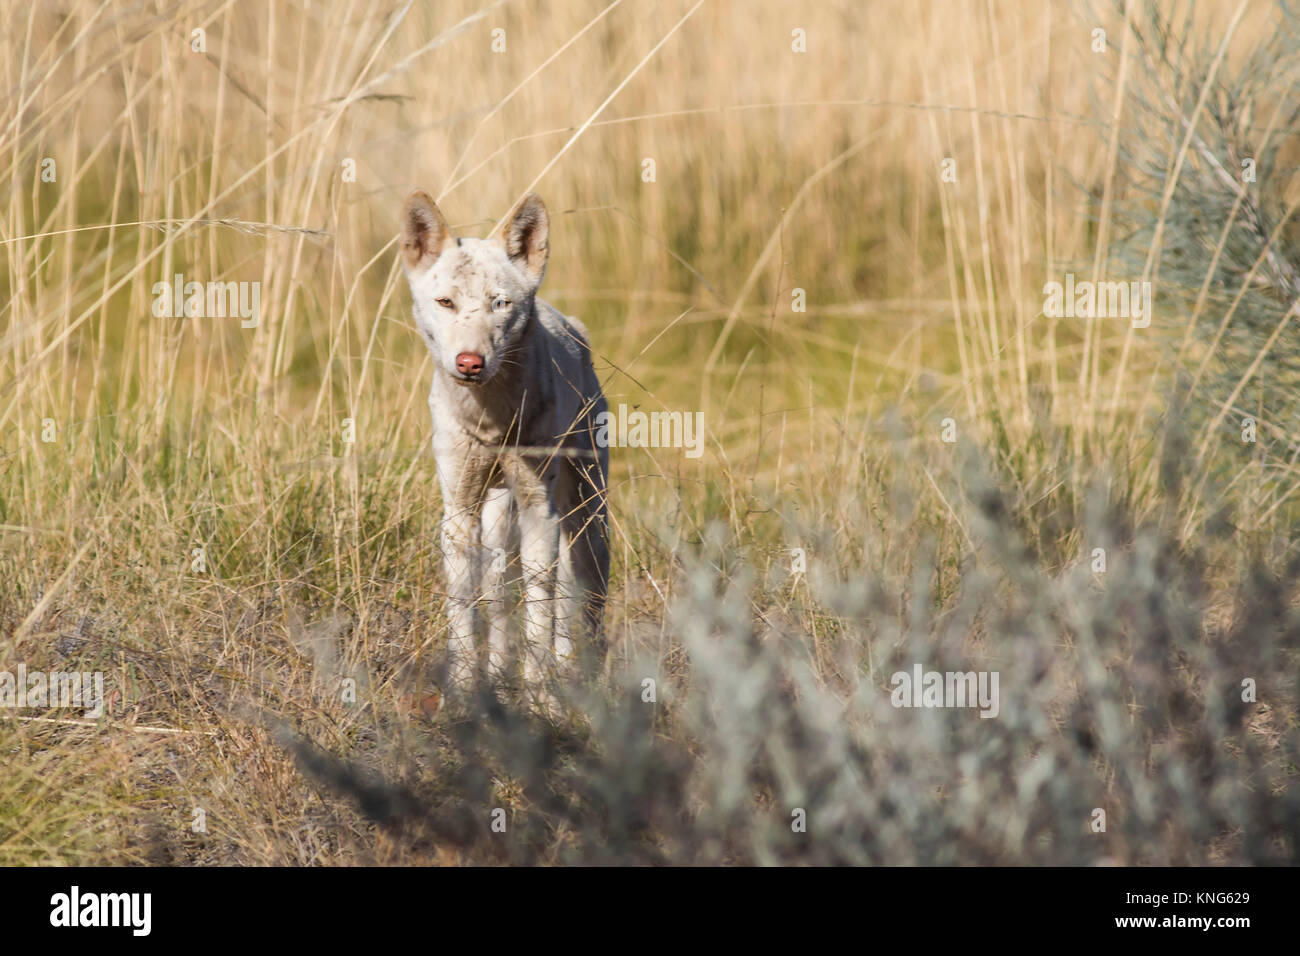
<point>469,363</point>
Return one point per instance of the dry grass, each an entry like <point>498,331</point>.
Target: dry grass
<point>775,171</point>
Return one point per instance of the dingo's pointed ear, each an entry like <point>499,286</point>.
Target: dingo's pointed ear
<point>424,232</point>
<point>526,236</point>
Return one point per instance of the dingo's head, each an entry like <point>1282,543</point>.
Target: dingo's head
<point>473,297</point>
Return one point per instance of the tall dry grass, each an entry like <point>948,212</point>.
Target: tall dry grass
<point>774,171</point>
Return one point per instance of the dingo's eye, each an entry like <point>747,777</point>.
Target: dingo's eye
<point>500,302</point>
<point>446,303</point>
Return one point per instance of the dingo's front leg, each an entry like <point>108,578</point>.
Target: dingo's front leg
<point>460,553</point>
<point>539,548</point>
<point>498,517</point>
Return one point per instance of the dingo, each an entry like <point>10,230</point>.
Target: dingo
<point>514,398</point>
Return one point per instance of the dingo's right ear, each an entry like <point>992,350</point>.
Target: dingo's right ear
<point>424,232</point>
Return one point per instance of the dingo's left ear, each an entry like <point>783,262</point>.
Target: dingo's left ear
<point>424,232</point>
<point>526,237</point>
